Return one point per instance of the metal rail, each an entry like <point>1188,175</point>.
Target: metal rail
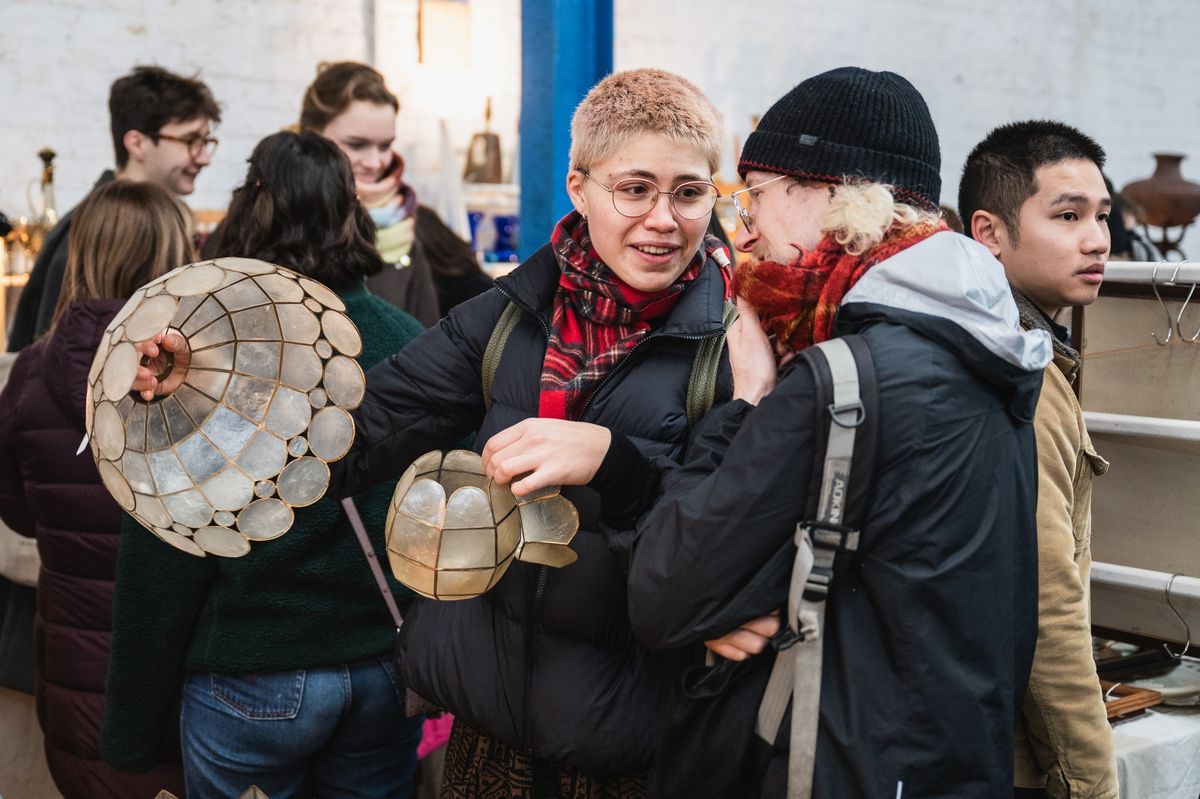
<point>1135,600</point>
<point>1146,426</point>
<point>1170,273</point>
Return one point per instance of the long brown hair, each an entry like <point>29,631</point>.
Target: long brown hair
<point>123,235</point>
<point>336,86</point>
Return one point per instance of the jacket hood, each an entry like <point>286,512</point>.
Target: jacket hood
<point>950,289</point>
<point>70,349</point>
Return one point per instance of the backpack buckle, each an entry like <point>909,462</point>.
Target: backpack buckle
<point>824,535</point>
<point>851,414</point>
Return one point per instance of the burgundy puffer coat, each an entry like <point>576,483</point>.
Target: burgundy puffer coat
<point>49,492</point>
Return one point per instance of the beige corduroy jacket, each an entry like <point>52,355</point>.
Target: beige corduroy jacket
<point>1063,740</point>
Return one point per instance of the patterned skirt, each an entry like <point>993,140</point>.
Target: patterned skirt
<point>480,767</point>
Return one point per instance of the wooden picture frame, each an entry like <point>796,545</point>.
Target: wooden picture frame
<point>1121,700</point>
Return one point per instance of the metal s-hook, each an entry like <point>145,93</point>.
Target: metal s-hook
<point>1187,630</point>
<point>1183,308</point>
<point>1194,338</point>
<point>1166,311</point>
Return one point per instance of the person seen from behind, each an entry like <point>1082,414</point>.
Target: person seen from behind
<point>281,658</point>
<point>124,234</point>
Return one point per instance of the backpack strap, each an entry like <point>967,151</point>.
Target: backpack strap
<point>495,349</point>
<point>702,385</point>
<point>796,675</point>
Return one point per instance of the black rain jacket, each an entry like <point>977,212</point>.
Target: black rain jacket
<point>930,626</point>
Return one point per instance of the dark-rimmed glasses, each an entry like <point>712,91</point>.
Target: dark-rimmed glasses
<point>196,144</point>
<point>636,197</point>
<point>744,213</point>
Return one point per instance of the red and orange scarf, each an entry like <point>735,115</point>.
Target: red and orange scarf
<point>798,301</point>
<point>597,320</point>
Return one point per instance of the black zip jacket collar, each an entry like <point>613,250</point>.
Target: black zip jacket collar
<point>697,314</point>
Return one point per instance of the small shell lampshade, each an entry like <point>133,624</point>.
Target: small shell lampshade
<point>452,533</point>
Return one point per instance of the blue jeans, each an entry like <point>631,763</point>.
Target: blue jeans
<point>337,731</point>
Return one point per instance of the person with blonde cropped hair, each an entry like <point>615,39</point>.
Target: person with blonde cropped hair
<point>592,389</point>
<point>640,101</point>
<point>552,693</point>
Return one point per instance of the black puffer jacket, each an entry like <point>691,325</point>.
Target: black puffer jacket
<point>546,661</point>
<point>48,490</point>
<point>930,625</point>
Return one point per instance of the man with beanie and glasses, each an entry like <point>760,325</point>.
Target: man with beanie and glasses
<point>1032,193</point>
<point>930,622</point>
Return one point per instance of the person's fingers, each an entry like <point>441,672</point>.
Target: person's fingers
<point>748,641</point>
<point>765,626</point>
<point>147,348</point>
<point>499,463</point>
<point>533,481</point>
<point>725,650</point>
<point>503,439</point>
<point>508,466</point>
<point>747,311</point>
<point>174,341</point>
<point>490,450</point>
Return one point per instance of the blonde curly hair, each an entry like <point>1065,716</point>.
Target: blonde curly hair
<point>861,214</point>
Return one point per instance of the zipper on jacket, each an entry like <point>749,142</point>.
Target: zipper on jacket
<point>543,576</point>
<point>534,616</point>
<point>539,593</point>
<point>545,325</point>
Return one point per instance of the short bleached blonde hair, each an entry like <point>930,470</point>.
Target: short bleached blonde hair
<point>626,104</point>
<point>861,214</point>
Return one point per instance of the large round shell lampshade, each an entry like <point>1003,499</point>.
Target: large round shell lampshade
<point>268,383</point>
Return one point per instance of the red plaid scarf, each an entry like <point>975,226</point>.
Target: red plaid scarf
<point>798,301</point>
<point>597,319</point>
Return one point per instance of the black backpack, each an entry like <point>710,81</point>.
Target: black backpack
<point>723,721</point>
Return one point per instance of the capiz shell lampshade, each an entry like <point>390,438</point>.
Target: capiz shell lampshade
<point>452,533</point>
<point>262,409</point>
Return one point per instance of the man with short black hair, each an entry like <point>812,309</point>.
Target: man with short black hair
<point>162,133</point>
<point>1033,194</point>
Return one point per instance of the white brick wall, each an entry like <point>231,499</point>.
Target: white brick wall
<point>1126,73</point>
<point>58,58</point>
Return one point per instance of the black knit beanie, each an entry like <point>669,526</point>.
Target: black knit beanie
<point>851,123</point>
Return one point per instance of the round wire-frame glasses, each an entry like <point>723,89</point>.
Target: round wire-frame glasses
<point>636,197</point>
<point>743,212</point>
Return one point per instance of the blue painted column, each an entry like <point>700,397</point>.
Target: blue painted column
<point>566,47</point>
